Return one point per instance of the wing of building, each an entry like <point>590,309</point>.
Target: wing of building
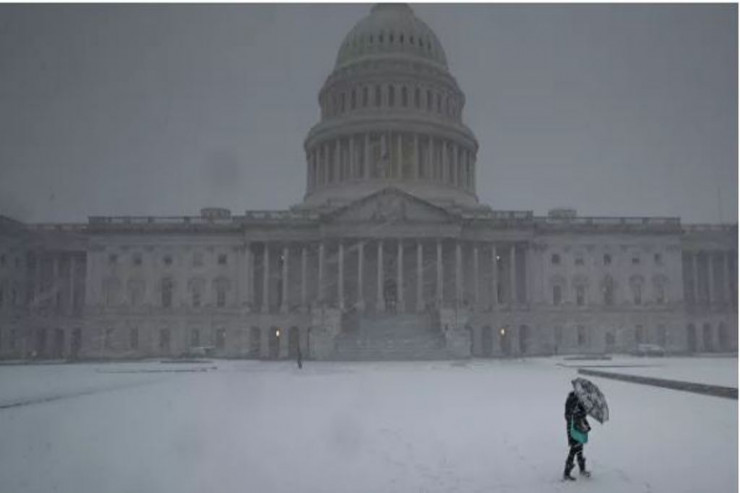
<point>390,255</point>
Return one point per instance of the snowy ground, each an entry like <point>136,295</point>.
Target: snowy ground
<point>484,426</point>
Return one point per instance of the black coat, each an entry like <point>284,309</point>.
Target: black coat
<point>574,410</point>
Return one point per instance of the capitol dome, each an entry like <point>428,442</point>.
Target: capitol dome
<point>391,29</point>
<point>391,116</point>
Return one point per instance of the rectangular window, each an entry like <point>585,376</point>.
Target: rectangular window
<point>555,259</point>
<point>137,259</point>
<point>134,337</point>
<point>167,293</point>
<point>638,294</point>
<point>580,295</point>
<point>220,297</point>
<point>195,338</point>
<point>2,260</point>
<point>167,260</point>
<point>607,259</point>
<point>164,340</point>
<point>112,259</point>
<point>579,260</point>
<point>557,295</point>
<point>108,338</point>
<point>222,259</point>
<point>196,298</point>
<point>635,260</point>
<point>581,336</point>
<point>658,259</point>
<point>220,338</point>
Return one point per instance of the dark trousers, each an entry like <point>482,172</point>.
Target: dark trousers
<point>575,452</point>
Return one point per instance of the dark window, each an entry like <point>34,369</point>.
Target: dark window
<point>607,259</point>
<point>108,338</point>
<point>195,338</point>
<point>579,260</point>
<point>167,260</point>
<point>557,295</point>
<point>635,260</point>
<point>404,97</point>
<point>555,259</point>
<point>196,297</point>
<point>390,38</point>
<point>378,96</point>
<point>222,259</point>
<point>134,337</point>
<point>220,338</point>
<point>391,96</point>
<point>220,296</point>
<point>639,334</point>
<point>400,38</point>
<point>112,258</point>
<point>353,103</point>
<point>581,335</point>
<point>365,97</point>
<point>417,97</point>
<point>167,293</point>
<point>197,259</point>
<point>658,259</point>
<point>429,99</point>
<point>164,340</point>
<point>439,103</point>
<point>137,259</point>
<point>637,292</point>
<point>380,38</point>
<point>2,260</point>
<point>580,295</point>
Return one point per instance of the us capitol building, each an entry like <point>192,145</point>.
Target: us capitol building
<point>390,255</point>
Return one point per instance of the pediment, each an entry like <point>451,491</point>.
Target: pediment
<point>390,206</point>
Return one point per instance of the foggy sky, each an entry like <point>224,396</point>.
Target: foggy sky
<point>161,110</point>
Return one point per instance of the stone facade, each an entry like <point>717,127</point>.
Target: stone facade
<point>390,224</point>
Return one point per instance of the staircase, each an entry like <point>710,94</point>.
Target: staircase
<point>390,337</point>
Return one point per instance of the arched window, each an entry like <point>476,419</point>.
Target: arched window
<point>378,96</point>
<point>581,335</point>
<point>607,289</point>
<point>659,285</point>
<point>391,96</point>
<point>580,295</point>
<point>365,97</point>
<point>353,101</point>
<point>221,286</point>
<point>417,98</point>
<point>404,97</point>
<point>557,294</point>
<point>636,283</point>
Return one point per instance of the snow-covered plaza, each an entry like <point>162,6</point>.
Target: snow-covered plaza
<point>264,427</point>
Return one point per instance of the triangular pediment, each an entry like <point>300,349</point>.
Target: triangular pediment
<point>390,205</point>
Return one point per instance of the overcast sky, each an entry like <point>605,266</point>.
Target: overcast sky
<point>161,110</point>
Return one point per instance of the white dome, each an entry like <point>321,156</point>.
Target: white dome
<point>391,29</point>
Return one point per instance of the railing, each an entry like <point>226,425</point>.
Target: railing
<point>613,221</point>
<point>701,228</point>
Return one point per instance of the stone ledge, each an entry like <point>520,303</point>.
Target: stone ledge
<point>698,388</point>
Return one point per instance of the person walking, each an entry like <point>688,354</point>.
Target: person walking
<point>299,357</point>
<point>577,428</point>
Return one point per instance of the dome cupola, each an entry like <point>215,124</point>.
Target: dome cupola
<point>391,115</point>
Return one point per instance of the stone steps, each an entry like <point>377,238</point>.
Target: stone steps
<point>391,337</point>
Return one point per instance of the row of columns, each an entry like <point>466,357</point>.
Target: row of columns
<point>380,295</point>
<point>335,162</point>
<point>728,281</point>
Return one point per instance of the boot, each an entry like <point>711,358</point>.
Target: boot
<point>566,473</point>
<point>582,469</point>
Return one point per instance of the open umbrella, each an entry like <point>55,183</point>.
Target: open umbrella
<point>592,399</point>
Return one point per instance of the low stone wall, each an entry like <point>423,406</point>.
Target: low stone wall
<point>698,388</point>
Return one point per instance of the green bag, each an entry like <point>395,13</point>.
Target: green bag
<point>578,436</point>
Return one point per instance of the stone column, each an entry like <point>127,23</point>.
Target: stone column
<point>266,279</point>
<point>440,277</point>
<point>476,293</point>
<point>352,160</point>
<point>399,277</point>
<point>415,158</point>
<point>304,294</point>
<point>284,305</point>
<point>710,277</point>
<point>452,166</point>
<point>419,276</point>
<point>341,276</point>
<point>366,167</point>
<point>399,155</point>
<point>458,274</point>
<point>494,276</point>
<point>430,159</point>
<point>444,163</point>
<point>325,160</point>
<point>337,159</point>
<point>360,269</point>
<point>381,289</point>
<point>321,272</point>
<point>695,273</point>
<point>71,300</point>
